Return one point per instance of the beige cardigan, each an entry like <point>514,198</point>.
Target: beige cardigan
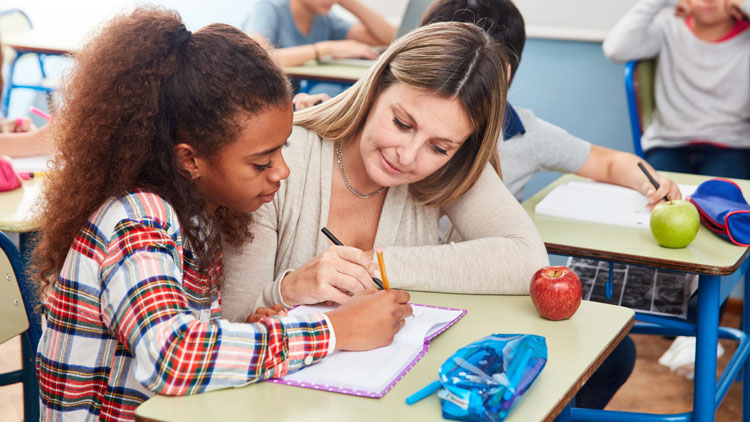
<point>501,251</point>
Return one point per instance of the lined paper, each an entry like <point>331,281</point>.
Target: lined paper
<point>372,373</point>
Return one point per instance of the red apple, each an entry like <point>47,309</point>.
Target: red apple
<point>556,292</point>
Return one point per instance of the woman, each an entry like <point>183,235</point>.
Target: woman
<point>379,165</point>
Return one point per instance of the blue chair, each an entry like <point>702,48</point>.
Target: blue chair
<point>15,20</point>
<point>18,316</point>
<point>639,91</point>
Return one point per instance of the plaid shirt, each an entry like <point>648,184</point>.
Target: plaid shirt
<point>130,317</point>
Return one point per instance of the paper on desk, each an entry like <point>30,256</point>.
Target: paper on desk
<point>600,203</point>
<point>35,163</point>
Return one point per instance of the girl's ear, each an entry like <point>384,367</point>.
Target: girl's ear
<point>188,160</point>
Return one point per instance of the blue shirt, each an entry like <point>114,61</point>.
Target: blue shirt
<point>273,19</point>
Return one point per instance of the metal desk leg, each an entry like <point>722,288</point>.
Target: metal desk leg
<point>564,415</point>
<point>704,392</point>
<point>746,366</point>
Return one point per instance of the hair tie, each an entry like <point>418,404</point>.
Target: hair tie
<point>182,35</point>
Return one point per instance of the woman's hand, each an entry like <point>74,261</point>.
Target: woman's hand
<point>667,187</point>
<point>334,275</point>
<point>370,319</point>
<point>261,313</point>
<point>343,49</point>
<point>302,101</point>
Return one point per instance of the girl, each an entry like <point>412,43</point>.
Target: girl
<point>378,165</point>
<point>167,141</point>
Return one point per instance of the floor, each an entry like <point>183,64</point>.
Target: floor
<point>651,388</point>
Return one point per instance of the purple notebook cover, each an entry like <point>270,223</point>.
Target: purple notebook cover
<point>377,395</point>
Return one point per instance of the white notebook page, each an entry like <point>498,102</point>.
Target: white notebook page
<point>600,203</point>
<point>373,370</point>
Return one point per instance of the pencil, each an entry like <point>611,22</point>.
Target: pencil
<point>40,113</point>
<point>381,262</point>
<point>337,242</point>
<point>651,179</point>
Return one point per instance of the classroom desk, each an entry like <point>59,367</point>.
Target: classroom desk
<point>708,256</point>
<point>576,347</point>
<point>50,42</point>
<point>45,41</point>
<point>327,72</point>
<point>17,207</point>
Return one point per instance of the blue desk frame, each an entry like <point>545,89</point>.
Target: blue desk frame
<point>708,393</point>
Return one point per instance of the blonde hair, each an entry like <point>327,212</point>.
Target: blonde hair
<point>449,59</point>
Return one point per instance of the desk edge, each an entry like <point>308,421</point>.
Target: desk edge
<point>589,371</point>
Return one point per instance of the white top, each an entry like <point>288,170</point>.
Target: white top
<point>502,251</point>
<point>543,147</point>
<point>702,89</point>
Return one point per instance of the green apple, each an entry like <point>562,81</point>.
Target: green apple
<point>674,224</point>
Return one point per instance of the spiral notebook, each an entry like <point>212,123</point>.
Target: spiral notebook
<point>373,373</point>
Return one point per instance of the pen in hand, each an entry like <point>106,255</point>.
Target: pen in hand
<point>337,242</point>
<point>652,180</point>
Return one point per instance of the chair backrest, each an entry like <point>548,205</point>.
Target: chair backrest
<point>639,91</point>
<point>17,299</point>
<point>13,320</point>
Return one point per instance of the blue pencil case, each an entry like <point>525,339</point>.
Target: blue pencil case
<point>723,210</point>
<point>484,380</point>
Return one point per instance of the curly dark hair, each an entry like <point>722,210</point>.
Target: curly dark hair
<point>500,18</point>
<point>143,85</point>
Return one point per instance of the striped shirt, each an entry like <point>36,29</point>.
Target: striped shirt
<point>130,317</point>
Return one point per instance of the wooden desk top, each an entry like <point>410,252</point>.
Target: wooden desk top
<point>327,72</point>
<point>707,254</point>
<point>576,347</point>
<point>46,41</point>
<point>16,206</point>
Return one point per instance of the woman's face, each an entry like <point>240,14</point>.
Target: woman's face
<point>410,133</point>
<point>247,172</point>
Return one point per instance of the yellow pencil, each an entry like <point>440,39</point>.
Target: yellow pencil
<point>381,262</point>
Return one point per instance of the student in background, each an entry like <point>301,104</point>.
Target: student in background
<point>378,165</point>
<point>304,30</point>
<point>530,145</point>
<point>165,149</point>
<point>702,88</point>
<point>18,138</point>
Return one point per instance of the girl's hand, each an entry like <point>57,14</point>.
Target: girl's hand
<point>667,187</point>
<point>261,313</point>
<point>21,124</point>
<point>343,49</point>
<point>683,9</point>
<point>334,275</point>
<point>370,319</point>
<point>302,101</point>
<point>735,9</point>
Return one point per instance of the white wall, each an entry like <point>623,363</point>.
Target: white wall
<point>586,20</point>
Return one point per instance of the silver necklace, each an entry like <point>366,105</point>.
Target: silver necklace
<point>340,159</point>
